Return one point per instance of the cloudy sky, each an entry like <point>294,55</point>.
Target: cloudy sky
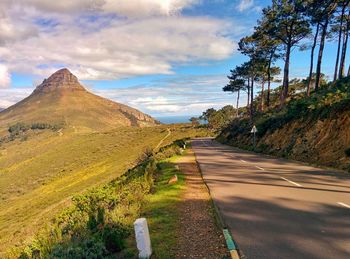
<point>164,57</point>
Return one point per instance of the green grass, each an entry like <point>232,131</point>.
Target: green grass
<point>40,175</point>
<point>162,212</point>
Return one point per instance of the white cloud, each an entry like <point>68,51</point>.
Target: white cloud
<point>10,96</point>
<point>12,30</point>
<point>5,78</point>
<point>129,8</point>
<point>186,95</point>
<point>147,7</point>
<point>245,5</point>
<point>160,104</point>
<point>124,48</point>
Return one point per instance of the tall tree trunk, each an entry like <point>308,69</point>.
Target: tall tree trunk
<point>320,55</point>
<point>343,53</point>
<point>349,71</point>
<point>269,78</point>
<point>262,96</point>
<point>268,93</point>
<point>248,99</point>
<point>252,99</point>
<point>238,93</point>
<point>339,42</point>
<point>312,60</point>
<point>285,85</point>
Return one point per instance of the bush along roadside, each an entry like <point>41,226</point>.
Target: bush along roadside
<point>100,220</point>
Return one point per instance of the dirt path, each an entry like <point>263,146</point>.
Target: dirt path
<point>200,237</point>
<point>162,140</point>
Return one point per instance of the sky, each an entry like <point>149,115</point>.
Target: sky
<point>164,57</point>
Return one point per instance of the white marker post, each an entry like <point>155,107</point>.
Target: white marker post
<point>254,130</point>
<point>142,238</point>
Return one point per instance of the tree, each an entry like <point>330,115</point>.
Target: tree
<point>340,29</point>
<point>206,115</point>
<point>258,61</point>
<point>312,56</point>
<point>237,84</point>
<point>310,81</point>
<point>289,26</point>
<point>267,73</point>
<point>268,50</point>
<point>322,12</point>
<point>252,68</point>
<point>218,119</point>
<point>344,47</point>
<point>194,121</point>
<point>228,112</point>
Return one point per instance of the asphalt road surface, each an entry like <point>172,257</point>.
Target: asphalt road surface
<point>277,208</point>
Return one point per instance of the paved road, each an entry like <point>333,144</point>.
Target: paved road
<point>276,208</point>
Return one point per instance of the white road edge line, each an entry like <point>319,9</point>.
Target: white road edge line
<point>299,185</point>
<point>344,204</point>
<point>260,168</point>
<point>243,161</point>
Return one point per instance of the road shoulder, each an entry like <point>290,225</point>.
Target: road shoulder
<point>199,233</point>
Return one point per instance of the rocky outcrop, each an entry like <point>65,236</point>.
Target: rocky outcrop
<point>62,79</point>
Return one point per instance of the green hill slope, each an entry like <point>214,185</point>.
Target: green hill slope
<point>40,174</point>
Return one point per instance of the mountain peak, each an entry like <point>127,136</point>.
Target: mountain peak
<point>61,79</point>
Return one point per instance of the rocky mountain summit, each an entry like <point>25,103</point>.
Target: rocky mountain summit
<point>62,79</point>
<point>61,99</point>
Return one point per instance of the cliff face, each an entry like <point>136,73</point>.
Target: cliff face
<point>317,141</point>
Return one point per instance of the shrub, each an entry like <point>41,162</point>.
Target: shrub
<point>18,128</point>
<point>347,152</point>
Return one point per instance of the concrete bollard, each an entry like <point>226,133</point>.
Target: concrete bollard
<point>142,238</point>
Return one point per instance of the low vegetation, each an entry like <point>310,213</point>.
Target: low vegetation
<point>100,220</point>
<point>39,175</point>
<point>22,130</point>
<point>162,211</point>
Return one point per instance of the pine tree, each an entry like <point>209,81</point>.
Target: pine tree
<point>288,25</point>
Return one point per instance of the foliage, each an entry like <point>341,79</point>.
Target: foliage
<point>49,168</point>
<point>217,119</point>
<point>21,127</point>
<point>329,101</point>
<point>20,130</point>
<point>194,121</point>
<point>100,220</point>
<point>347,152</point>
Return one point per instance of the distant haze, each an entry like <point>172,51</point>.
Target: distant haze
<point>174,119</point>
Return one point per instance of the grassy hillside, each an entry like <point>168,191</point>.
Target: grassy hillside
<point>312,129</point>
<point>62,100</point>
<point>100,220</point>
<point>78,110</point>
<point>41,172</point>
